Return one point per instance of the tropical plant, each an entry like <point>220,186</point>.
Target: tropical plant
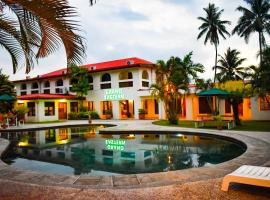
<point>142,111</point>
<point>229,71</point>
<point>20,112</point>
<point>173,79</point>
<point>6,87</point>
<point>260,76</point>
<point>80,84</point>
<point>212,27</point>
<point>38,29</point>
<point>256,18</point>
<point>237,91</point>
<point>229,68</point>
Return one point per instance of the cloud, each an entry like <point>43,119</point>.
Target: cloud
<point>152,29</point>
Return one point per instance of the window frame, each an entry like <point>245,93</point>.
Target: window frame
<point>47,112</point>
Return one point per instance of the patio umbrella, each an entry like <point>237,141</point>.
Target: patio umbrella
<point>6,97</point>
<point>214,92</point>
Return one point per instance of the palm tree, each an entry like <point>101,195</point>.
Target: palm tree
<point>38,29</point>
<point>212,27</point>
<point>254,19</point>
<point>230,70</point>
<point>6,87</point>
<point>230,66</point>
<point>174,76</point>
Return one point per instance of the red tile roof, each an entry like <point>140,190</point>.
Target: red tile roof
<point>46,96</point>
<point>102,66</point>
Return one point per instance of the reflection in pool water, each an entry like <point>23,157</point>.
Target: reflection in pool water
<point>83,151</point>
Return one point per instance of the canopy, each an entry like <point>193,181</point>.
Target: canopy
<point>214,92</point>
<point>6,97</point>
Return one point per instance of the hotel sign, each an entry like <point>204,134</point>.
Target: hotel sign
<point>115,144</point>
<point>114,94</point>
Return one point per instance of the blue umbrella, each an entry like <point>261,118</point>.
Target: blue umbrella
<point>6,97</point>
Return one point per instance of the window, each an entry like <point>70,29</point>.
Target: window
<point>46,91</point>
<point>107,153</point>
<point>265,103</point>
<point>23,89</point>
<point>31,109</point>
<point>59,90</point>
<point>228,106</point>
<point>23,93</point>
<point>34,85</point>
<point>106,105</point>
<point>34,92</point>
<point>59,83</point>
<point>47,84</point>
<point>204,105</point>
<point>106,78</point>
<point>145,83</point>
<point>90,105</point>
<point>90,81</point>
<point>145,79</point>
<point>125,75</point>
<point>74,107</point>
<point>106,81</point>
<point>156,107</point>
<point>23,86</point>
<point>125,79</point>
<point>34,88</point>
<point>49,108</point>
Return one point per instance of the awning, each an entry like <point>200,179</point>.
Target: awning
<point>6,97</point>
<point>214,92</point>
<point>46,96</point>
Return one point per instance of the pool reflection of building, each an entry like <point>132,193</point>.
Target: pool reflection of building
<point>85,150</point>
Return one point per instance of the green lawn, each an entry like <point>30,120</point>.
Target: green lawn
<point>246,125</point>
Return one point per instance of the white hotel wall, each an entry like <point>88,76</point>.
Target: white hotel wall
<point>258,114</point>
<point>131,93</point>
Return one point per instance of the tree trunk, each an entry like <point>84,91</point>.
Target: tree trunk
<point>260,43</point>
<point>215,64</point>
<point>235,112</point>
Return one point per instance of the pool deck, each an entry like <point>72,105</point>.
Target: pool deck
<point>195,183</point>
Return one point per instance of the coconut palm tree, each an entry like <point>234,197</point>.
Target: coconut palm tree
<point>37,29</point>
<point>173,79</point>
<point>212,27</point>
<point>229,68</point>
<point>6,87</point>
<point>254,19</point>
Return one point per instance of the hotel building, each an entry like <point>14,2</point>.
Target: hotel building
<point>122,86</point>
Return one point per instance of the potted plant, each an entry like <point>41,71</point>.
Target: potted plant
<point>108,114</point>
<point>20,112</point>
<point>219,122</point>
<point>142,113</point>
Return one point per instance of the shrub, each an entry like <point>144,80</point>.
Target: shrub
<point>108,112</point>
<point>83,115</point>
<point>73,116</point>
<point>142,111</point>
<point>94,115</point>
<point>83,109</point>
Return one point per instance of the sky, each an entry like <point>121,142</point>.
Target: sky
<point>148,29</point>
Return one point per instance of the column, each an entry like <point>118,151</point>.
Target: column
<point>137,105</point>
<point>115,109</point>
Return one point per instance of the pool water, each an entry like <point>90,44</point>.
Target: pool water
<point>83,151</point>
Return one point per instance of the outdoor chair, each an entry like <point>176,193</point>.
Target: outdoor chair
<point>247,174</point>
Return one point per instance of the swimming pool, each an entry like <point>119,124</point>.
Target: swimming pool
<point>83,151</point>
